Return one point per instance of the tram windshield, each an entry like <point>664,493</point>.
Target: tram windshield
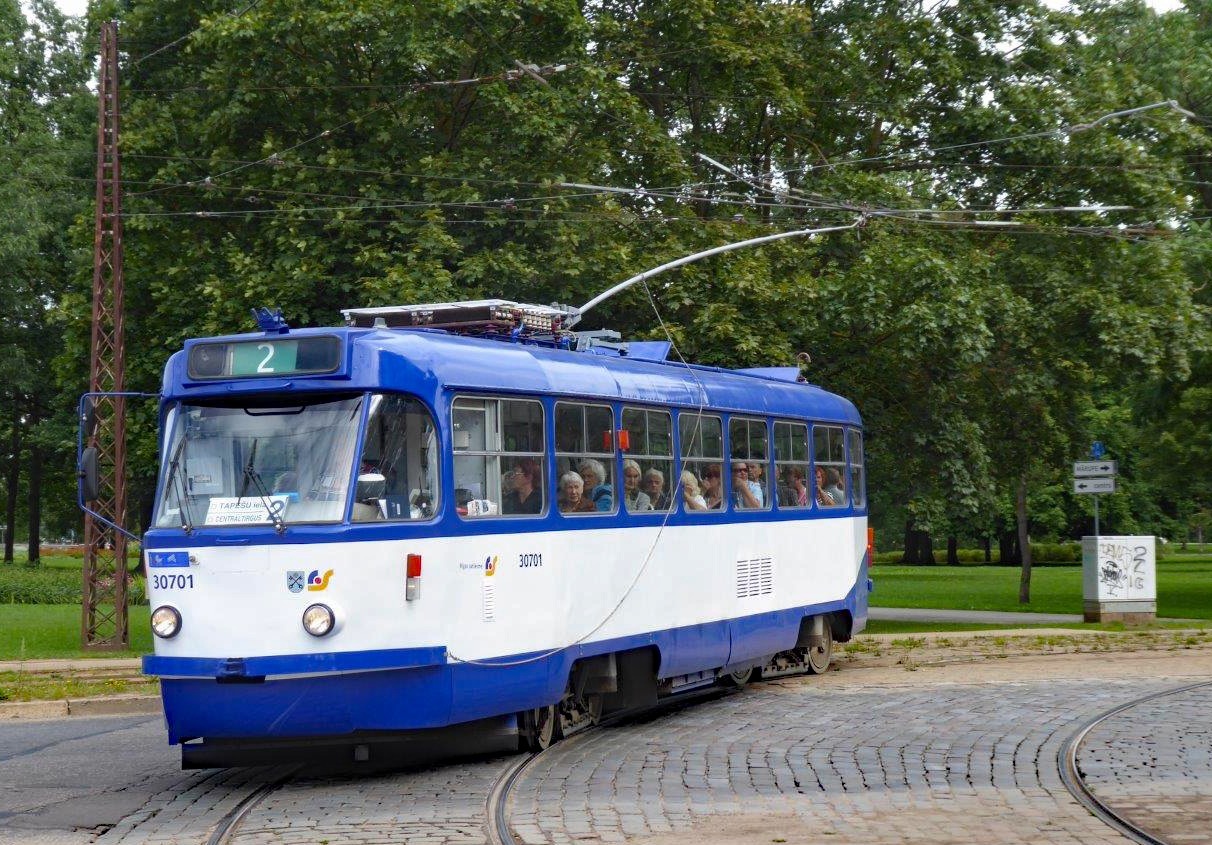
<point>234,464</point>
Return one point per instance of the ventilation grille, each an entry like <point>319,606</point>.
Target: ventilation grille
<point>489,601</point>
<point>754,577</point>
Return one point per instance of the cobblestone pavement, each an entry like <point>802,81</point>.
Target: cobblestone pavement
<point>1152,764</point>
<point>880,756</point>
<point>444,805</point>
<point>945,763</point>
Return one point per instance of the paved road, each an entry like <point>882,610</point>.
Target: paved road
<point>984,617</point>
<point>65,781</point>
<point>931,755</point>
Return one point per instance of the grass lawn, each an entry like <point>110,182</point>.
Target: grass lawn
<point>1184,588</point>
<point>40,631</point>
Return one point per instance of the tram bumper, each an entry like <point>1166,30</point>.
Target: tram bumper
<point>303,695</point>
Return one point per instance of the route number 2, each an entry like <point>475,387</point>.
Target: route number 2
<point>264,367</point>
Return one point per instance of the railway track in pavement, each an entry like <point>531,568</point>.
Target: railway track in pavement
<point>1075,779</point>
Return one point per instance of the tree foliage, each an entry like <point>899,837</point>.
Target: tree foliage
<point>318,155</point>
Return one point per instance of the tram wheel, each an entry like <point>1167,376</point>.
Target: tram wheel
<point>738,678</point>
<point>818,655</point>
<point>541,728</point>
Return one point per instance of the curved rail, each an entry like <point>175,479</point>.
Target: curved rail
<point>1071,776</point>
<point>227,825</point>
<point>495,806</point>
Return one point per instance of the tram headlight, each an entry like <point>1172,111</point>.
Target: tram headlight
<point>165,621</point>
<point>319,620</point>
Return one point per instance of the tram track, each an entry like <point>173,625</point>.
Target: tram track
<point>1074,779</point>
<point>226,828</point>
<point>496,820</point>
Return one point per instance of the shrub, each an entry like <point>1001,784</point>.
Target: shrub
<point>50,586</point>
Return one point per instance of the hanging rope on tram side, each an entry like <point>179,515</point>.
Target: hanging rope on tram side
<point>642,278</point>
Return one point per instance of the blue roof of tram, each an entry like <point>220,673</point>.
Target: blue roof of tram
<point>424,361</point>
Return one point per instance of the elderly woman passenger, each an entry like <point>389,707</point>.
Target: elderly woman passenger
<point>654,486</point>
<point>572,486</point>
<point>596,489</point>
<point>633,496</point>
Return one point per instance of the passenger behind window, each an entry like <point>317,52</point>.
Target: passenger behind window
<point>742,493</point>
<point>691,497</point>
<point>756,483</point>
<point>654,486</point>
<point>833,486</point>
<point>823,498</point>
<point>572,500</point>
<point>525,483</point>
<point>713,487</point>
<point>635,498</point>
<point>794,490</point>
<point>600,494</point>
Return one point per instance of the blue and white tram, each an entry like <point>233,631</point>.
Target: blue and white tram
<point>373,529</point>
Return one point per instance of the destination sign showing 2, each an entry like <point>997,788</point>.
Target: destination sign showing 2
<point>1089,469</point>
<point>1094,485</point>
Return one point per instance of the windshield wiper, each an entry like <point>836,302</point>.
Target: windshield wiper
<point>171,483</point>
<point>251,474</point>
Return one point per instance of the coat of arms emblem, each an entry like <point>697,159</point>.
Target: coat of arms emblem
<point>294,580</point>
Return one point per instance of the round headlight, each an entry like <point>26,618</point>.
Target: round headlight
<point>318,620</point>
<point>165,622</point>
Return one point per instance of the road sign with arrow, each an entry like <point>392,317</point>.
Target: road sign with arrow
<point>1094,485</point>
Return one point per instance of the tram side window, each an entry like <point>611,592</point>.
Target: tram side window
<point>791,467</point>
<point>648,467</point>
<point>585,458</point>
<point>702,442</point>
<point>748,447</point>
<point>398,474</point>
<point>858,478</point>
<point>829,457</point>
<point>498,457</point>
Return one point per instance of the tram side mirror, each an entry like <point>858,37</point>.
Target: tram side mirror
<point>89,478</point>
<point>371,487</point>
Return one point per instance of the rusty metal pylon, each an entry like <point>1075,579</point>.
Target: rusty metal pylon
<point>104,620</point>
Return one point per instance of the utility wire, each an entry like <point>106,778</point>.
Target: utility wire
<point>198,28</point>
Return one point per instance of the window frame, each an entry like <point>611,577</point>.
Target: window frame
<point>540,458</point>
<point>858,497</point>
<point>839,464</point>
<point>748,422</point>
<point>683,460</point>
<point>805,464</point>
<point>638,457</point>
<point>606,459</point>
<point>438,481</point>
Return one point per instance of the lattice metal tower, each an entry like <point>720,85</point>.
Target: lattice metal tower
<point>104,622</point>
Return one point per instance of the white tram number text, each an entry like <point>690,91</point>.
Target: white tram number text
<point>528,560</point>
<point>173,582</point>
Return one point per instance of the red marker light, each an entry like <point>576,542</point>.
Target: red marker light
<point>412,584</point>
<point>624,440</point>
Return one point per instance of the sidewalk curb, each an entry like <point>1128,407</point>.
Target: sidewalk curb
<point>109,705</point>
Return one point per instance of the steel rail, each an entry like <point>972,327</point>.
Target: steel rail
<point>227,825</point>
<point>496,804</point>
<point>1075,782</point>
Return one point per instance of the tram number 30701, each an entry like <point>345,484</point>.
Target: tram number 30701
<point>173,582</point>
<point>528,560</point>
